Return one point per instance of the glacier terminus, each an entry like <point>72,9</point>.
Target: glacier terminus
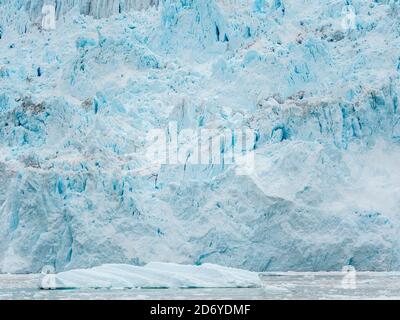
<point>306,90</point>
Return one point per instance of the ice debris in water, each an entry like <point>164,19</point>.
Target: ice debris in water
<point>317,81</point>
<point>151,276</point>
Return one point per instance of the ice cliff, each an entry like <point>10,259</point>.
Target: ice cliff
<point>317,81</point>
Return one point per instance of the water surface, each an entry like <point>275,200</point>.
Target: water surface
<point>277,286</point>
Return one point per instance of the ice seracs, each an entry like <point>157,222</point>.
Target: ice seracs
<point>77,102</point>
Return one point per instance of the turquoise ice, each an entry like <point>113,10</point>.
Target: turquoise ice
<point>76,103</point>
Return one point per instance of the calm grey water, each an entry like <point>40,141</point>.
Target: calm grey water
<point>277,286</point>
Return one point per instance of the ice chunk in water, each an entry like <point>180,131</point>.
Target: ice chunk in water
<point>152,275</point>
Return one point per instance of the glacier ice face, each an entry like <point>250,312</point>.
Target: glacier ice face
<point>24,15</point>
<point>318,85</point>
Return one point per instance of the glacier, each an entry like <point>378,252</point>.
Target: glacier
<point>317,81</point>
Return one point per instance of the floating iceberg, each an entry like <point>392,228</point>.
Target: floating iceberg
<point>152,275</point>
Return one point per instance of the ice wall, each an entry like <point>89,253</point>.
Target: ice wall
<point>317,81</point>
<point>105,8</point>
<point>30,11</point>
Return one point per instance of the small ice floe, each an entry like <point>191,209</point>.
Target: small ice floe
<point>153,275</point>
